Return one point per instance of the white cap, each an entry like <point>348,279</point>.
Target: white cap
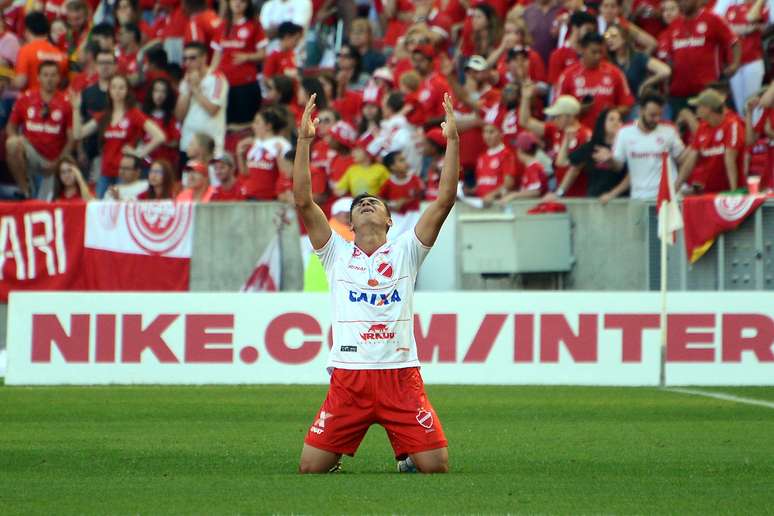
<point>477,63</point>
<point>341,206</point>
<point>563,105</point>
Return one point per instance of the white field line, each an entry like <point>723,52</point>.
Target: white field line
<point>723,396</point>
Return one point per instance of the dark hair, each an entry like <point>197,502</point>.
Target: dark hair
<point>206,141</point>
<point>134,29</point>
<point>362,125</point>
<point>288,28</point>
<point>103,29</point>
<point>395,101</point>
<point>355,53</point>
<point>58,185</point>
<point>198,46</point>
<point>157,57</point>
<point>168,106</point>
<point>76,5</point>
<point>229,17</point>
<point>167,183</point>
<point>389,159</point>
<point>45,64</point>
<point>37,23</point>
<point>651,96</point>
<point>362,196</point>
<point>136,162</point>
<point>285,87</point>
<point>592,38</point>
<point>492,27</point>
<point>598,135</point>
<point>107,115</point>
<point>581,18</point>
<point>194,6</point>
<point>91,48</point>
<point>273,119</point>
<point>313,85</point>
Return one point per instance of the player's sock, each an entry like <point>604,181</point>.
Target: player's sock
<point>407,466</point>
<point>336,468</point>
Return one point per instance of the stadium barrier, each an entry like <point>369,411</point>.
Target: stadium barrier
<point>581,338</point>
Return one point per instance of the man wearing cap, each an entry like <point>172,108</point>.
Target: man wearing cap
<point>229,187</point>
<point>433,84</point>
<point>715,159</point>
<point>639,147</point>
<point>595,82</point>
<point>562,134</point>
<point>198,187</point>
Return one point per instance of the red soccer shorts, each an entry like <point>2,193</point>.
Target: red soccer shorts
<point>393,398</point>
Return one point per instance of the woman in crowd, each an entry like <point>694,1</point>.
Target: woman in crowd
<point>361,36</point>
<point>160,107</point>
<point>480,33</point>
<point>69,185</point>
<point>161,182</point>
<point>261,156</point>
<point>121,128</point>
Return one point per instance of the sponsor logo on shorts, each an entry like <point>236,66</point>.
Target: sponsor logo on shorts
<point>319,426</point>
<point>378,332</point>
<point>425,418</point>
<point>374,299</point>
<point>348,349</point>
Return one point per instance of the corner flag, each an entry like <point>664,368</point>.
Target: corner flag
<point>669,217</point>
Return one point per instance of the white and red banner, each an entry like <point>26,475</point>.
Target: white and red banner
<point>41,245</point>
<point>95,246</point>
<point>138,246</point>
<point>268,271</point>
<point>707,216</point>
<point>583,338</point>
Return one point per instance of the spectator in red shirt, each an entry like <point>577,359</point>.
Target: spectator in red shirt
<point>238,48</point>
<point>595,82</point>
<point>230,188</point>
<point>432,87</point>
<point>341,139</point>
<point>532,179</point>
<point>562,58</point>
<point>695,45</point>
<point>198,188</point>
<point>494,166</point>
<point>283,60</point>
<point>433,149</point>
<point>516,36</point>
<point>561,135</point>
<point>403,190</point>
<point>759,135</point>
<point>69,185</point>
<point>203,22</point>
<point>161,182</point>
<point>121,128</point>
<point>261,156</point>
<point>39,133</point>
<point>128,48</point>
<point>479,32</point>
<point>160,107</point>
<point>715,160</point>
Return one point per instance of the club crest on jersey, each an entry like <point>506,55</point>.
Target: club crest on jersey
<point>378,332</point>
<point>373,298</point>
<point>384,268</point>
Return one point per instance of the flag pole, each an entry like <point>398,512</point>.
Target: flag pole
<point>663,318</point>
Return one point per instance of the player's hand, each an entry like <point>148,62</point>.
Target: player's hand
<point>449,126</point>
<point>308,127</point>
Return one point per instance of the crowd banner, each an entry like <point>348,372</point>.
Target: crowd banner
<point>580,338</point>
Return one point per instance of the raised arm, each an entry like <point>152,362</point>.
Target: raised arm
<point>432,219</point>
<point>313,217</point>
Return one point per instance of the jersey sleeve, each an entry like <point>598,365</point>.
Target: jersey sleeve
<point>23,62</point>
<point>18,111</point>
<point>624,95</point>
<point>734,136</point>
<point>330,251</point>
<point>722,32</point>
<point>416,251</point>
<point>676,145</point>
<point>219,91</point>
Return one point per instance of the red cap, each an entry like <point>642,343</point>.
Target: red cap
<point>526,141</point>
<point>197,166</point>
<point>436,136</point>
<point>426,50</point>
<point>343,133</point>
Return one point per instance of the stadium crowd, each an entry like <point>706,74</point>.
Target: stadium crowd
<point>199,100</point>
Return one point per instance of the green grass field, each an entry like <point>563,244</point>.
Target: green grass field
<point>234,450</point>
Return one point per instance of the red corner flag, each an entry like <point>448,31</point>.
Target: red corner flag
<point>669,217</point>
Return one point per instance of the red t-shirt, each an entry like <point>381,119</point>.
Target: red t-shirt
<point>126,132</point>
<point>278,61</point>
<point>606,83</point>
<point>533,177</point>
<point>433,180</point>
<point>339,166</point>
<point>762,151</point>
<point>560,60</point>
<point>47,134</point>
<point>127,63</point>
<point>35,52</point>
<point>430,95</point>
<point>649,19</point>
<point>237,192</point>
<point>83,80</point>
<point>711,144</point>
<point>472,139</point>
<point>553,136</point>
<point>348,106</point>
<point>202,26</point>
<point>492,167</point>
<point>748,33</point>
<point>537,69</point>
<point>244,37</point>
<point>169,150</point>
<point>508,122</point>
<point>410,186</point>
<point>262,168</point>
<point>322,155</point>
<point>695,46</point>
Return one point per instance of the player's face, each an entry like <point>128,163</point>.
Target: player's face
<point>368,211</point>
<point>650,115</point>
<point>48,78</point>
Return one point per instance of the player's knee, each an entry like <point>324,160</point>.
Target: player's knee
<point>435,467</point>
<point>437,462</point>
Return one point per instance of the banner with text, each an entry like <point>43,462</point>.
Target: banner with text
<point>583,338</point>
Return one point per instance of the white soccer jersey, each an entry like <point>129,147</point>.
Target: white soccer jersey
<point>372,298</point>
<point>641,152</point>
